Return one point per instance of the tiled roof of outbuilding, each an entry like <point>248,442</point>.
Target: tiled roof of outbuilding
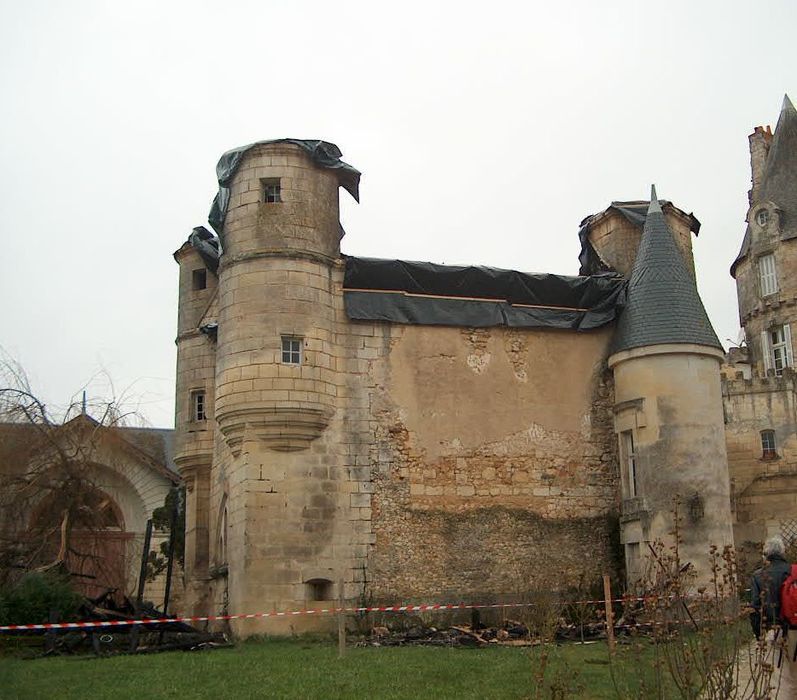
<point>663,305</point>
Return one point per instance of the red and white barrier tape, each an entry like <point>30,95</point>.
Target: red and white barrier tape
<point>287,613</point>
<point>432,607</point>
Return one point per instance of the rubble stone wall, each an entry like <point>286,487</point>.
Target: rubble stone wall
<point>492,459</point>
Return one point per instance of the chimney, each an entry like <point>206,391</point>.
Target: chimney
<point>760,140</point>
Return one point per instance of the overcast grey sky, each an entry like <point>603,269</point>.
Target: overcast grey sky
<point>485,133</point>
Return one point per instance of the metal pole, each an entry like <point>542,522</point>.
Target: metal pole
<point>142,579</point>
<point>142,576</point>
<point>172,543</point>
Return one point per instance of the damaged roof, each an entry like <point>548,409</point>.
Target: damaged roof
<point>663,305</point>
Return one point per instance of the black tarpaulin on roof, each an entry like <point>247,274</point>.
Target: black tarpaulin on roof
<point>323,153</point>
<point>428,294</point>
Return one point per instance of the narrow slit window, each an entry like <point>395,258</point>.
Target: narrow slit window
<point>271,190</point>
<point>291,350</point>
<point>198,406</point>
<point>768,450</point>
<point>628,458</point>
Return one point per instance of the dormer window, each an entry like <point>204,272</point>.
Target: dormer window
<point>762,217</point>
<point>270,190</point>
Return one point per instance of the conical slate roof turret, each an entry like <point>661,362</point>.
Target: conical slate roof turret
<point>779,181</point>
<point>663,304</point>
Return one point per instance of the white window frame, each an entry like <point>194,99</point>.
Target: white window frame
<point>199,406</point>
<point>291,350</point>
<point>272,190</point>
<point>768,446</point>
<point>628,458</point>
<point>767,275</point>
<point>776,348</point>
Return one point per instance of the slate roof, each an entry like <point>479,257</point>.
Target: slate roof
<point>779,181</point>
<point>663,305</point>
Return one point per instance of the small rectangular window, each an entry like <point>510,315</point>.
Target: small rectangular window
<point>271,190</point>
<point>768,450</point>
<point>767,275</point>
<point>198,406</point>
<point>628,460</point>
<point>199,279</point>
<point>291,350</point>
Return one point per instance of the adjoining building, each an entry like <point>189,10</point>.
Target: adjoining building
<point>413,431</point>
<point>86,491</point>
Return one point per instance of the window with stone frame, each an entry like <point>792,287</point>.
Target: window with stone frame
<point>291,350</point>
<point>767,275</point>
<point>628,461</point>
<point>270,189</point>
<point>198,405</point>
<point>776,348</point>
<point>768,448</point>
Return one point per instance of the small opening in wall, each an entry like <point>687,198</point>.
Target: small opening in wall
<point>271,190</point>
<point>199,279</point>
<point>319,589</point>
<point>762,218</point>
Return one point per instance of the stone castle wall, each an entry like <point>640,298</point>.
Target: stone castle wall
<point>764,490</point>
<point>491,458</point>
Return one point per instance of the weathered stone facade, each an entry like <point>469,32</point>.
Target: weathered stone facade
<point>758,378</point>
<point>413,460</point>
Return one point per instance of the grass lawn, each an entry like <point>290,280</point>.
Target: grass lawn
<point>300,669</point>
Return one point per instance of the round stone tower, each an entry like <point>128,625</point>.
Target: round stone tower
<point>196,359</point>
<point>765,284</point>
<point>278,497</point>
<point>668,412</point>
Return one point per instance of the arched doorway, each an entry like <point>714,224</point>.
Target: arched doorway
<point>87,531</point>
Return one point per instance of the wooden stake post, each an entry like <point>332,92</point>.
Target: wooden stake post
<point>341,621</point>
<point>607,596</point>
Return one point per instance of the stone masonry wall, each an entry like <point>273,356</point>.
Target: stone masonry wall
<point>764,491</point>
<point>491,457</point>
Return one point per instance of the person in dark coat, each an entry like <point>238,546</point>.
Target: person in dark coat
<point>765,588</point>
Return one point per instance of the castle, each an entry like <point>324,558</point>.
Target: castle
<point>386,430</point>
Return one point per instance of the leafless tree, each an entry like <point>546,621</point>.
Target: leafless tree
<point>50,506</point>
